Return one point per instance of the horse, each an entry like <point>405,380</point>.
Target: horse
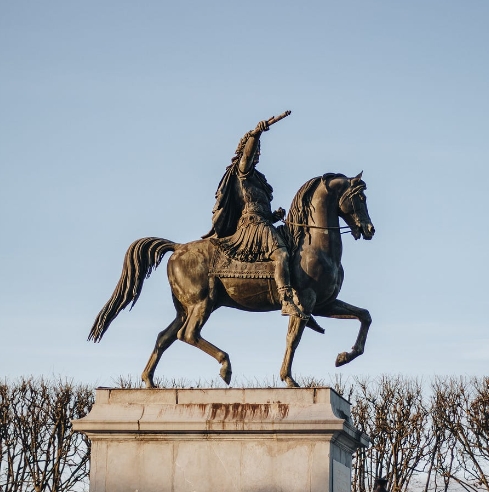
<point>313,234</point>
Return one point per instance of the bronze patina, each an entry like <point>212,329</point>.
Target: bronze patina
<point>247,263</point>
<point>243,219</point>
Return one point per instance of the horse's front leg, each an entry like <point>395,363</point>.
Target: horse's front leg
<point>294,334</point>
<point>342,310</point>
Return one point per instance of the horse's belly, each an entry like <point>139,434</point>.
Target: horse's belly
<point>250,294</point>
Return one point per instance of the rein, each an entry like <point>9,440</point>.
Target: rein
<point>350,193</point>
<point>317,227</point>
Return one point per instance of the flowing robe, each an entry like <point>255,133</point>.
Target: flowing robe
<point>242,216</point>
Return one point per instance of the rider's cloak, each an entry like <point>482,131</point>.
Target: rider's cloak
<point>229,206</point>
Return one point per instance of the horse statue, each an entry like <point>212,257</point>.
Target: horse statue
<point>202,281</point>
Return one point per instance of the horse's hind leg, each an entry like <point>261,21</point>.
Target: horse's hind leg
<point>163,341</point>
<point>342,310</point>
<point>190,333</point>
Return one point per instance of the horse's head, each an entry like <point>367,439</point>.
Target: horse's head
<point>352,205</point>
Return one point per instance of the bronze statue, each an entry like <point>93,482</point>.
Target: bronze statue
<point>295,267</point>
<point>243,219</point>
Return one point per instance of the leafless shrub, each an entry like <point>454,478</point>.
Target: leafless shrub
<point>38,449</point>
<point>133,382</point>
<point>392,412</point>
<point>460,415</point>
<point>433,438</point>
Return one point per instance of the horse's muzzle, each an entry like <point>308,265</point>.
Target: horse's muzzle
<point>368,230</point>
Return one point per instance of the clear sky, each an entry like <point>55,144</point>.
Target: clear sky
<point>118,118</point>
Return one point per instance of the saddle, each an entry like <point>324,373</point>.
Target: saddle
<point>225,267</point>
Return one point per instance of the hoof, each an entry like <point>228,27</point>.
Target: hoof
<point>290,382</point>
<point>148,382</point>
<point>342,359</point>
<point>346,357</point>
<point>225,374</point>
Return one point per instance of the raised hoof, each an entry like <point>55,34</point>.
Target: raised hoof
<point>346,357</point>
<point>342,359</point>
<point>225,374</point>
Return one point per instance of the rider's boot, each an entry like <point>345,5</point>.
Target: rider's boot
<point>289,307</point>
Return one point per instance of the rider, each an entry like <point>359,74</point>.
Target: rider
<point>243,219</point>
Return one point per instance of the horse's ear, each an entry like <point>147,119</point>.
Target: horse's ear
<point>357,178</point>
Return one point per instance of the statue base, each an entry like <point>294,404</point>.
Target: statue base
<point>220,440</point>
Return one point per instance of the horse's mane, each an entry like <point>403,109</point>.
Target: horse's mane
<point>300,212</point>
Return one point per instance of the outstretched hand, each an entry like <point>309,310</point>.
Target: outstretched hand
<point>263,126</point>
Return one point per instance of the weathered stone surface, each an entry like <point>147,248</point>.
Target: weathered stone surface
<point>220,440</point>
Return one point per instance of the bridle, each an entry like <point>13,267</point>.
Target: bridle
<point>306,226</point>
<point>349,193</point>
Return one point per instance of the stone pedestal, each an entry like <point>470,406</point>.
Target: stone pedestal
<point>220,440</point>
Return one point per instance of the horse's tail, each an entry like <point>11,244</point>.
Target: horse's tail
<point>142,257</point>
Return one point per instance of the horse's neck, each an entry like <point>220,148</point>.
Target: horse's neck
<point>324,215</point>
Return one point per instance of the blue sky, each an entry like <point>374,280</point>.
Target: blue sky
<point>117,120</point>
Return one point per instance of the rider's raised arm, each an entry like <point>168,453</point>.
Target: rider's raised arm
<point>251,146</point>
<point>248,156</point>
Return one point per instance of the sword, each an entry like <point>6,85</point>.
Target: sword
<point>273,120</point>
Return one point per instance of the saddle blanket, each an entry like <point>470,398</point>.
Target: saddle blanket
<point>225,267</point>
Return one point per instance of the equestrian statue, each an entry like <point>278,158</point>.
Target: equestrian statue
<point>246,262</point>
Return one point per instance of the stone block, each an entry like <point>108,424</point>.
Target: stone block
<point>220,440</point>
